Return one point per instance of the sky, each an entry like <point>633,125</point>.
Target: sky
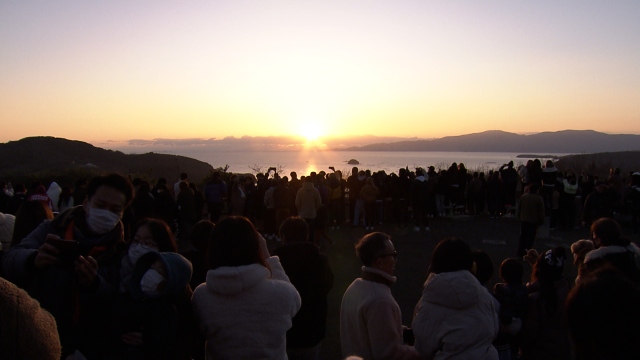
<point>101,71</point>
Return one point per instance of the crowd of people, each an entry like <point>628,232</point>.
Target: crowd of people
<point>102,261</point>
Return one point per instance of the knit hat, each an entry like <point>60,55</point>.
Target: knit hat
<point>6,230</point>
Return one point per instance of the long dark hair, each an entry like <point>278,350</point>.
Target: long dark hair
<point>161,233</point>
<point>451,254</point>
<point>234,242</point>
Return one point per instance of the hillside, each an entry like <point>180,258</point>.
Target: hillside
<point>600,163</point>
<point>566,141</point>
<point>38,157</point>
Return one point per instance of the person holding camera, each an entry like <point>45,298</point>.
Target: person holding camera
<point>70,262</point>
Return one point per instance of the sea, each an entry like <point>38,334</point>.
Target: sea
<point>304,162</point>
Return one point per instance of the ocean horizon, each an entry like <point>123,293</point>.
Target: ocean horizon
<point>304,162</point>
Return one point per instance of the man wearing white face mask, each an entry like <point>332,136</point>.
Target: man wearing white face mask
<point>63,276</point>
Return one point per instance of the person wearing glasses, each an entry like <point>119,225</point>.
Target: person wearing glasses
<point>370,318</point>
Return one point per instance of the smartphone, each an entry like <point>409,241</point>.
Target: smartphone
<point>69,250</point>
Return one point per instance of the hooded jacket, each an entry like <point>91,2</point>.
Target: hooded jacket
<point>308,201</point>
<point>165,321</point>
<point>624,258</point>
<point>245,311</point>
<point>456,318</point>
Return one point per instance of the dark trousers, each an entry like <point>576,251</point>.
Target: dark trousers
<point>527,236</point>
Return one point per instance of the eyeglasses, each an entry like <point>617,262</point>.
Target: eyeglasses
<point>145,243</point>
<point>394,254</point>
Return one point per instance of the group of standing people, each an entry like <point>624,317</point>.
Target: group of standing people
<point>458,318</point>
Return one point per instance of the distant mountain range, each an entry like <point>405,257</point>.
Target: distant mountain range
<point>564,142</point>
<point>36,157</point>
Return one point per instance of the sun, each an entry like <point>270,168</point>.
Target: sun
<point>310,130</point>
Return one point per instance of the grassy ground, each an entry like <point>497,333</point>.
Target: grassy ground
<point>498,237</point>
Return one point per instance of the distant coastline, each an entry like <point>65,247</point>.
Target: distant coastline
<point>534,156</point>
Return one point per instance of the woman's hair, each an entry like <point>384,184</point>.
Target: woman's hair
<point>161,234</point>
<point>200,235</point>
<point>484,266</point>
<point>451,254</point>
<point>608,232</point>
<point>546,271</point>
<point>65,195</point>
<point>234,242</point>
<point>29,216</point>
<point>294,229</point>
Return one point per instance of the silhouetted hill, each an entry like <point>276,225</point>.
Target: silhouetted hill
<point>566,141</point>
<point>600,163</point>
<point>36,157</point>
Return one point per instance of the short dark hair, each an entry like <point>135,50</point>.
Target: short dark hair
<point>368,248</point>
<point>484,266</point>
<point>183,176</point>
<point>511,271</point>
<point>609,233</point>
<point>161,233</point>
<point>200,235</point>
<point>234,242</point>
<point>451,254</point>
<point>115,181</point>
<point>294,229</point>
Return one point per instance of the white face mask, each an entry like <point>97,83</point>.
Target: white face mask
<point>101,221</point>
<point>149,283</point>
<point>136,251</point>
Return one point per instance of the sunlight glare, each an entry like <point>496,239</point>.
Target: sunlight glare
<point>310,130</point>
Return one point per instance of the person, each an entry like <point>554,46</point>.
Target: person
<point>370,318</point>
<point>549,178</point>
<point>246,306</point>
<point>29,216</point>
<point>369,194</point>
<point>27,331</point>
<point>7,222</point>
<point>580,249</point>
<point>308,202</point>
<point>59,283</point>
<point>19,196</point>
<point>513,297</point>
<point>456,317</point>
<point>604,318</point>
<point>214,193</point>
<point>237,197</point>
<point>195,250</point>
<point>612,249</point>
<point>419,187</point>
<point>310,273</point>
<point>143,204</point>
<point>187,213</point>
<point>598,204</point>
<point>65,201</point>
<point>40,194</point>
<point>509,177</point>
<point>149,235</point>
<point>530,212</point>
<point>153,318</point>
<point>176,187</point>
<point>544,333</point>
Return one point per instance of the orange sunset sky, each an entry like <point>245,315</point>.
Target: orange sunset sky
<point>118,70</point>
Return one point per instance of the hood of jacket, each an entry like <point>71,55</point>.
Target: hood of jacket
<point>454,290</point>
<point>179,271</point>
<point>233,280</point>
<point>604,251</point>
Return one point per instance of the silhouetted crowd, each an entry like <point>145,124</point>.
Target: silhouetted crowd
<point>114,268</point>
